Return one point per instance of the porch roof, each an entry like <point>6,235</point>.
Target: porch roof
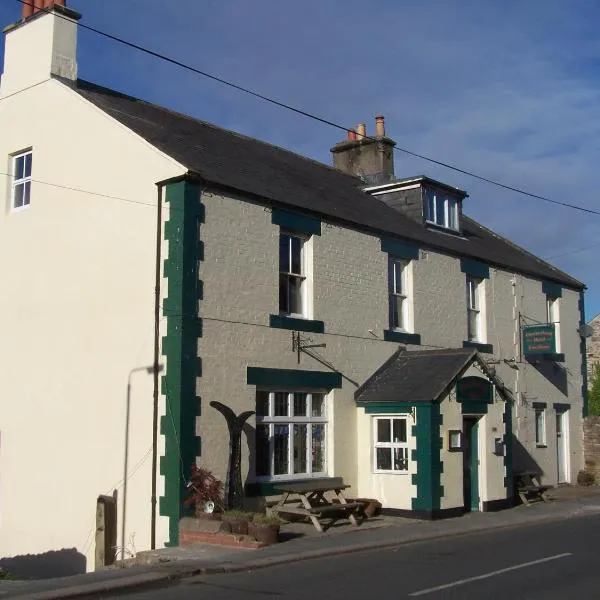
<point>414,377</point>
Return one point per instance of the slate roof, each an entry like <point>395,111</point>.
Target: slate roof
<point>420,376</point>
<point>283,178</point>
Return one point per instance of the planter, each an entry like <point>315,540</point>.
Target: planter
<point>371,506</point>
<point>264,532</point>
<point>238,524</point>
<point>206,516</point>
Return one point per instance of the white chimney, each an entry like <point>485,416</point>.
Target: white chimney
<point>38,47</point>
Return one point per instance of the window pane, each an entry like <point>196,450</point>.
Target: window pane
<point>384,459</point>
<point>383,430</point>
<point>295,295</point>
<point>440,207</point>
<point>280,449</point>
<point>263,464</point>
<point>400,459</point>
<point>300,444</point>
<point>539,427</point>
<point>398,277</point>
<point>473,325</point>
<point>28,160</point>
<point>26,193</point>
<point>19,167</point>
<point>281,404</point>
<point>397,311</point>
<point>300,404</point>
<point>284,253</point>
<point>18,195</point>
<point>318,448</point>
<point>430,207</point>
<point>262,404</point>
<point>284,303</point>
<point>296,255</point>
<point>452,214</point>
<point>399,430</point>
<point>318,405</point>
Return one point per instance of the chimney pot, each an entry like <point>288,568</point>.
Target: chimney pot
<point>27,9</point>
<point>351,135</point>
<point>380,126</point>
<point>361,131</point>
<point>38,5</point>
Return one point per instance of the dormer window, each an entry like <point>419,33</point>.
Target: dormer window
<point>441,209</point>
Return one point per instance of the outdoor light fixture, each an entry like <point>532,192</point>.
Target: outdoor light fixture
<point>454,440</point>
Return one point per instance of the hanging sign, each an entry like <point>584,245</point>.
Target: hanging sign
<point>474,389</point>
<point>539,339</point>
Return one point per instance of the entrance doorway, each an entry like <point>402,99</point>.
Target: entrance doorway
<point>561,446</point>
<point>471,463</point>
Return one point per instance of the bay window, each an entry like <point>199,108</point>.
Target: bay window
<point>291,429</point>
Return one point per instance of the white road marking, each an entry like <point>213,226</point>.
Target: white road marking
<point>490,574</point>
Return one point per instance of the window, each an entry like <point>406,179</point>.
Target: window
<point>553,316</point>
<point>441,209</point>
<point>292,275</point>
<point>399,301</point>
<point>540,426</point>
<point>21,187</point>
<point>391,445</point>
<point>291,429</point>
<point>474,316</point>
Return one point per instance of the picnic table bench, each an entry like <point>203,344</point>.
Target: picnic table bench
<point>528,487</point>
<point>312,503</point>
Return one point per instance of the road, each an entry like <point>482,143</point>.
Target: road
<point>547,561</point>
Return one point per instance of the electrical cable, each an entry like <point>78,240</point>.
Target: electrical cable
<point>313,116</point>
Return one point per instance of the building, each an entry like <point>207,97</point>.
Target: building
<point>379,333</point>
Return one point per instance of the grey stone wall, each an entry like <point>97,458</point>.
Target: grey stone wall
<point>593,347</point>
<point>591,427</point>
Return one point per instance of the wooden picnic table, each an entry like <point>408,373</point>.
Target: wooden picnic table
<point>312,503</point>
<point>528,487</point>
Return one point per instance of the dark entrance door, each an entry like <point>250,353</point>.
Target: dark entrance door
<point>471,463</point>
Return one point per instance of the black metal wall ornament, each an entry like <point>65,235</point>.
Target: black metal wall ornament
<point>235,423</point>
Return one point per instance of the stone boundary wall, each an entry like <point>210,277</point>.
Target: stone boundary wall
<point>591,436</point>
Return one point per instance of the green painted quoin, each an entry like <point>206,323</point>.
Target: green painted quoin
<point>180,347</point>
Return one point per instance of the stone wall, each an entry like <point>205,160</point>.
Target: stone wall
<point>593,347</point>
<point>591,428</point>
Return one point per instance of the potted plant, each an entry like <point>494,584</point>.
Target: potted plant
<point>237,520</point>
<point>205,494</point>
<point>265,528</point>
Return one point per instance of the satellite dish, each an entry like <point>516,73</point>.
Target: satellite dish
<point>586,331</point>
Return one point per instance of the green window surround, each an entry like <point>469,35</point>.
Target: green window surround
<point>483,348</point>
<point>474,268</point>
<point>554,290</point>
<point>285,322</point>
<point>292,378</point>
<point>399,249</point>
<point>401,337</point>
<point>295,222</point>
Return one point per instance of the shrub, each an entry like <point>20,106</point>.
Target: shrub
<point>261,519</point>
<point>585,478</point>
<point>204,487</point>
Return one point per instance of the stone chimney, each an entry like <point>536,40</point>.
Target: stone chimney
<point>370,157</point>
<point>42,44</point>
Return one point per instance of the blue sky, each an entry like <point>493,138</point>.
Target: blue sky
<point>510,90</point>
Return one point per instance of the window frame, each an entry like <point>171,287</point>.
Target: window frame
<point>290,420</point>
<point>474,287</point>
<point>302,276</point>
<point>449,210</point>
<point>24,181</point>
<point>404,294</point>
<point>540,441</point>
<point>553,318</point>
<point>375,444</point>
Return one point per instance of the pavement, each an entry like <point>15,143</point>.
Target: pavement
<point>300,542</point>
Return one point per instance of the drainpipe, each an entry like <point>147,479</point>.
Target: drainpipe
<point>156,357</point>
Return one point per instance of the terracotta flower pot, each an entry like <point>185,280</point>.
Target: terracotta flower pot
<point>238,524</point>
<point>264,532</point>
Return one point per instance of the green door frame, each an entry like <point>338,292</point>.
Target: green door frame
<point>474,458</point>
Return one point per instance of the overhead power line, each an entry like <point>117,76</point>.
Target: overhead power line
<point>313,116</point>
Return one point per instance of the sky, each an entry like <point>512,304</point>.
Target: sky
<point>509,90</point>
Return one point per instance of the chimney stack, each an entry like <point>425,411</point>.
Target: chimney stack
<point>371,158</point>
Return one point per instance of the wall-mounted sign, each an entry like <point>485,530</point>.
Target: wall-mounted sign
<point>539,339</point>
<point>474,389</point>
<point>454,440</point>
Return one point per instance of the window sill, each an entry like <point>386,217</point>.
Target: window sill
<point>390,473</point>
<point>552,357</point>
<point>18,209</point>
<point>296,324</point>
<point>541,446</point>
<point>479,346</point>
<point>402,337</point>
